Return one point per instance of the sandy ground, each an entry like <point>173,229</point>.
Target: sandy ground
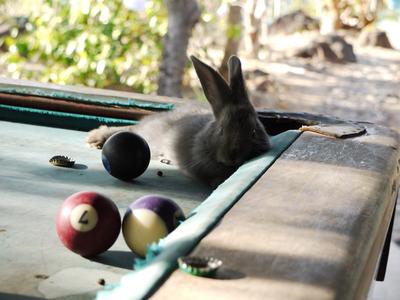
<point>368,90</point>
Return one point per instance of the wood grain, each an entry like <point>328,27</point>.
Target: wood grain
<point>73,107</point>
<point>312,227</point>
<point>80,90</point>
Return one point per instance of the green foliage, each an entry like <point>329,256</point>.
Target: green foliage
<point>94,42</point>
<point>213,29</point>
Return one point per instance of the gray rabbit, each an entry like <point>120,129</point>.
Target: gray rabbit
<point>207,145</point>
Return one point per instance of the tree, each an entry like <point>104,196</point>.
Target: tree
<point>364,12</point>
<point>255,12</point>
<point>182,16</point>
<point>233,34</point>
<point>95,43</point>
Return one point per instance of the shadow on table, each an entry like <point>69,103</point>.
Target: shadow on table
<point>119,259</point>
<point>228,274</point>
<point>7,296</point>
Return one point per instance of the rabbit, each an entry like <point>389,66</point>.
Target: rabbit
<point>208,145</point>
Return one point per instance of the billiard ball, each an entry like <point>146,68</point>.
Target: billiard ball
<point>88,223</point>
<point>149,219</point>
<point>125,155</point>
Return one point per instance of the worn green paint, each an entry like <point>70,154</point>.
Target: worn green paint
<point>58,119</point>
<point>32,190</point>
<point>161,259</point>
<point>85,98</point>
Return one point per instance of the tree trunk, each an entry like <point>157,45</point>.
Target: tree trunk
<point>337,22</point>
<point>255,12</point>
<point>182,16</point>
<point>369,12</point>
<point>233,34</point>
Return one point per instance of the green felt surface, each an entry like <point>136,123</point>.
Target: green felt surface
<point>74,121</point>
<point>162,258</point>
<point>31,192</point>
<point>33,189</point>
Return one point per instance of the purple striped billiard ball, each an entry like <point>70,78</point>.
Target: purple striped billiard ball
<point>149,219</point>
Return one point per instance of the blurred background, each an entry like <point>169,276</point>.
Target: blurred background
<point>336,57</point>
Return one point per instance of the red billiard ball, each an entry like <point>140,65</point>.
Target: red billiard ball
<point>149,219</point>
<point>88,223</point>
<point>125,155</point>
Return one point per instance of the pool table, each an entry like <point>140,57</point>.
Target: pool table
<point>310,219</point>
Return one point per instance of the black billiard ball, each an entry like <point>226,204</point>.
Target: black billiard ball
<point>125,155</point>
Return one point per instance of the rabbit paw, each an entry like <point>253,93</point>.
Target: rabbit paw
<point>97,137</point>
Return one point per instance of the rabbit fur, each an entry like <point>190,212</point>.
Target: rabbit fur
<point>207,145</point>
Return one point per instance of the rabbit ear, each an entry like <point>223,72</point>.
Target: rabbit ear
<point>215,87</point>
<point>236,80</point>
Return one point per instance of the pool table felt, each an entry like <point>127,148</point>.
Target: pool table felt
<point>312,227</point>
<point>31,192</point>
